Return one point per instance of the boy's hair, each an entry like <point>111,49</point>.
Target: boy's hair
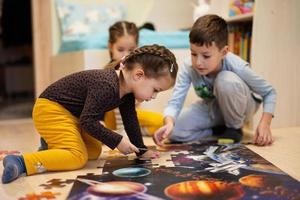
<point>122,28</point>
<point>155,60</point>
<point>208,29</point>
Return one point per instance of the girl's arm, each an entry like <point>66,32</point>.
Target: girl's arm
<point>179,93</point>
<point>131,124</point>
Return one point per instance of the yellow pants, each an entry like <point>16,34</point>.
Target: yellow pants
<point>147,119</point>
<point>69,147</point>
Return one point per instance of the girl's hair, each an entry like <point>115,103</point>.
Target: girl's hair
<point>155,60</point>
<point>208,29</point>
<point>122,28</point>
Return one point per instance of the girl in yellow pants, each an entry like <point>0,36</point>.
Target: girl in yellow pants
<point>69,147</point>
<point>67,114</point>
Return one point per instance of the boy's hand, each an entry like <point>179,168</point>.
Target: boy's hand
<point>162,133</point>
<point>126,147</point>
<point>150,154</point>
<point>263,135</point>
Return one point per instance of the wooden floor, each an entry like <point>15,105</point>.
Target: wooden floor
<point>20,135</point>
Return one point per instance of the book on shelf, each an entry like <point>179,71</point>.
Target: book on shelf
<point>239,41</point>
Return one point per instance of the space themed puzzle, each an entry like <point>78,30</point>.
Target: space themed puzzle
<point>188,172</point>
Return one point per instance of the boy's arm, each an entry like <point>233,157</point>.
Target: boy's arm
<point>169,120</point>
<point>175,104</point>
<point>260,86</point>
<point>179,93</point>
<point>256,83</point>
<point>164,132</point>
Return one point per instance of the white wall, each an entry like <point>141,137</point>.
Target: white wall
<point>219,7</point>
<point>276,55</point>
<point>171,15</point>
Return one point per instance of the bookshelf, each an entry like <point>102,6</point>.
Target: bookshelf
<point>240,35</point>
<point>248,17</point>
<point>274,52</point>
<point>240,28</point>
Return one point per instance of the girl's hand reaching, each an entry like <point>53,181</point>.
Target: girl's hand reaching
<point>126,147</point>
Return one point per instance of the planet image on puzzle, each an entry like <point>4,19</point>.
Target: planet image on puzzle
<point>259,181</point>
<point>192,190</point>
<point>131,172</point>
<point>116,188</point>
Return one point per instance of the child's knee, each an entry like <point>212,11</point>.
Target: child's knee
<point>80,158</point>
<point>227,82</point>
<point>93,155</point>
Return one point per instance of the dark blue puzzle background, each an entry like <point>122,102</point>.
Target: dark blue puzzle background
<point>201,171</point>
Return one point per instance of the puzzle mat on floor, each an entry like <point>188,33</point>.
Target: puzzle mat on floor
<point>189,171</point>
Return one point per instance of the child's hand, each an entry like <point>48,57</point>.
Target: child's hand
<point>263,135</point>
<point>150,154</point>
<point>126,147</point>
<point>162,133</point>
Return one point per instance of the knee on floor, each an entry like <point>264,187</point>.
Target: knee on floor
<point>79,159</point>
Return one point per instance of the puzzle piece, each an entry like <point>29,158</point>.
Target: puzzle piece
<point>90,174</point>
<point>101,163</point>
<point>112,153</point>
<point>41,196</point>
<point>56,183</point>
<point>198,157</point>
<point>164,159</point>
<point>231,167</point>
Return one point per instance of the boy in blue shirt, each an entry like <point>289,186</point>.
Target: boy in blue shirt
<point>227,86</point>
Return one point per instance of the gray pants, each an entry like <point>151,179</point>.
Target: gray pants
<point>232,106</point>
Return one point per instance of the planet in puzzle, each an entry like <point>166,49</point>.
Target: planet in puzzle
<point>116,188</point>
<point>131,172</point>
<point>259,181</point>
<point>201,189</point>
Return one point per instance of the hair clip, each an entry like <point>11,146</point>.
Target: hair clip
<point>172,68</point>
<point>122,66</point>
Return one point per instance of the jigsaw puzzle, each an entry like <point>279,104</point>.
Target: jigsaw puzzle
<point>56,183</point>
<point>47,195</point>
<point>189,171</point>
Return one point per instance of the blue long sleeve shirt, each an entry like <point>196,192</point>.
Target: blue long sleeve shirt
<point>231,62</point>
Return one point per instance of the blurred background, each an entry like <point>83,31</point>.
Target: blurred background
<point>16,59</point>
